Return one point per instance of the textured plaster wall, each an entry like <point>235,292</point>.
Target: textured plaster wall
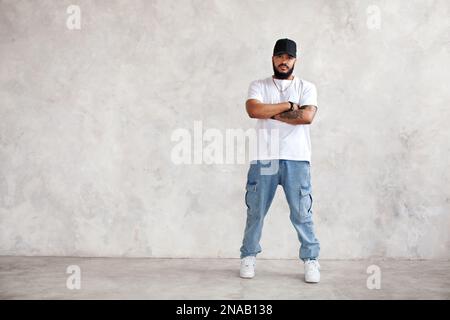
<point>87,117</point>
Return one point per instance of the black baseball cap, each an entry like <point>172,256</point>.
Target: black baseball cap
<point>285,46</point>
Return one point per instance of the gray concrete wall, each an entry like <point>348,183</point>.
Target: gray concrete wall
<point>87,118</point>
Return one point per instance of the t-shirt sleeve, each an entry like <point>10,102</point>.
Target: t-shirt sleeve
<point>309,96</point>
<point>255,91</point>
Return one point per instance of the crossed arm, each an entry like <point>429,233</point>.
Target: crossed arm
<point>280,111</point>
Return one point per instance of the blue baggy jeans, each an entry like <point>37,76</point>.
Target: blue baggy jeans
<point>262,181</point>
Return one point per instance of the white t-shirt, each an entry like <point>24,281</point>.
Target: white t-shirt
<point>287,141</point>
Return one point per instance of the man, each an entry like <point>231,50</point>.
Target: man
<point>284,106</point>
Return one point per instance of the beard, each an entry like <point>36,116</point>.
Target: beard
<point>282,75</point>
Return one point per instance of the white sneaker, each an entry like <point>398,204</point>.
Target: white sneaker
<point>312,271</point>
<point>248,267</point>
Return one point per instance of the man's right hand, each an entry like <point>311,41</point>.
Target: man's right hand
<point>259,110</point>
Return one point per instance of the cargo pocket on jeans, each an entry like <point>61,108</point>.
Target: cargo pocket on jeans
<point>250,193</point>
<point>306,202</point>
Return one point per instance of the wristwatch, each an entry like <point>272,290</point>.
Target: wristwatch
<point>292,106</point>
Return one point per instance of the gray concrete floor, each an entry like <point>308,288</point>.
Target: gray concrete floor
<point>138,278</point>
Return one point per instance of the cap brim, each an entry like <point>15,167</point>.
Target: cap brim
<point>283,52</point>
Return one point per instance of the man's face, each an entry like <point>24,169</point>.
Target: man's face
<point>283,65</point>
